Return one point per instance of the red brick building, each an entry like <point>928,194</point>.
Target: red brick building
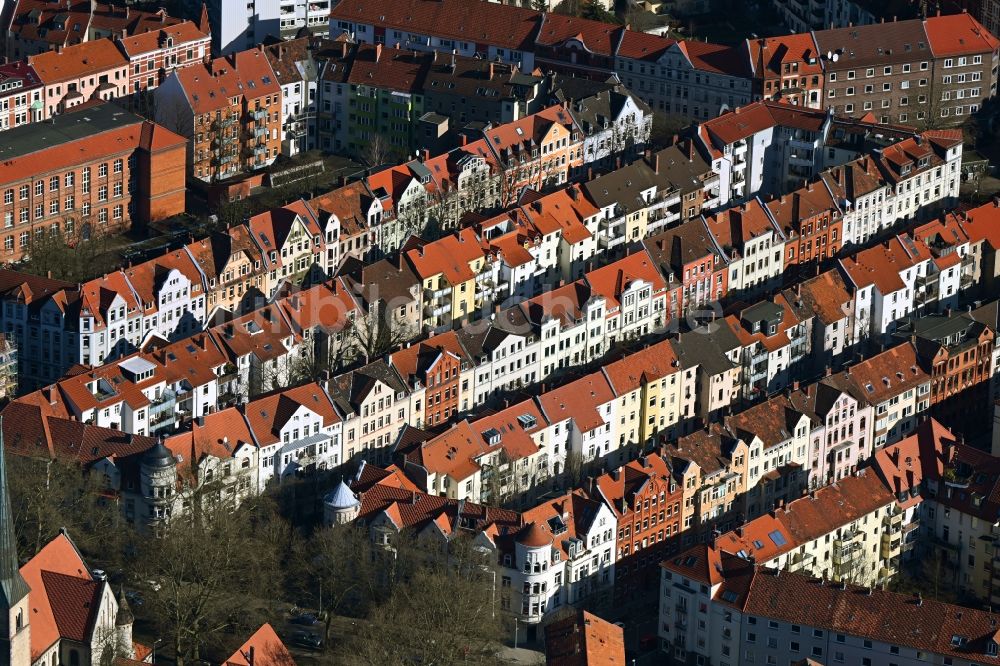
<point>438,368</point>
<point>230,110</point>
<point>96,170</point>
<point>646,501</point>
<point>811,222</point>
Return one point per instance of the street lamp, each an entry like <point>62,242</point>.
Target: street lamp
<point>155,643</point>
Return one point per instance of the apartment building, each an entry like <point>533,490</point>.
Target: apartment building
<point>237,27</point>
<point>906,71</point>
<point>861,194</point>
<point>753,246</point>
<point>20,95</point>
<point>693,263</point>
<point>449,270</point>
<point>755,613</point>
<point>787,68</point>
<point>810,221</point>
<point>375,404</point>
<point>35,26</point>
<point>645,499</point>
<point>97,172</point>
<point>230,111</point>
<point>94,70</point>
<point>153,55</point>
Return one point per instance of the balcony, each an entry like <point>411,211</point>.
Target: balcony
<point>847,553</point>
<point>257,115</point>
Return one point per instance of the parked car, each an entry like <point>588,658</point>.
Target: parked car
<point>135,598</point>
<point>307,639</point>
<point>307,619</point>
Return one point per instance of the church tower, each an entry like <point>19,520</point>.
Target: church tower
<point>15,633</point>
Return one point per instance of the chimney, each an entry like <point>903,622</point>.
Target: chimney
<point>463,140</point>
<point>378,52</point>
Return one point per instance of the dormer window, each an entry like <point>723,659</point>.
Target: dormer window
<point>991,648</point>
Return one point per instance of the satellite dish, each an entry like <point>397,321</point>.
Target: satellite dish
<point>836,57</point>
<point>829,55</point>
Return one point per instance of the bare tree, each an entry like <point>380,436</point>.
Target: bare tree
<point>378,151</point>
<point>206,565</point>
<point>379,332</point>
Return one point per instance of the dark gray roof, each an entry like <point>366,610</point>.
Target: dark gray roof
<point>64,128</point>
<point>12,584</point>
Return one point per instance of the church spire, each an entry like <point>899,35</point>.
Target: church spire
<point>12,586</point>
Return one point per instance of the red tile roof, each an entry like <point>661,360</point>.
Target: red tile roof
<point>266,650</point>
<point>958,34</point>
<point>74,62</point>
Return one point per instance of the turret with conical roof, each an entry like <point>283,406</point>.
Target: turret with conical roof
<point>123,627</point>
<point>158,481</point>
<point>14,629</point>
<point>340,505</point>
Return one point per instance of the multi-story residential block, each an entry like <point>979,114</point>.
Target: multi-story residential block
<point>686,78</point>
<point>756,613</point>
<point>861,194</point>
<point>153,55</point>
<point>20,95</point>
<point>694,265</point>
<point>297,70</point>
<point>788,68</point>
<point>811,223</point>
<point>234,273</point>
<point>237,27</point>
<point>37,26</point>
<point>958,350</point>
<point>437,367</point>
<point>291,243</point>
<point>841,429</point>
<point>753,247</point>
<point>94,70</point>
<point>563,556</point>
<point>374,403</point>
<point>495,32</point>
<point>897,387</point>
<point>826,296</point>
<point>615,125</point>
<point>96,172</point>
<point>645,499</point>
<point>297,431</point>
<point>450,271</point>
<point>230,111</point>
<point>924,72</point>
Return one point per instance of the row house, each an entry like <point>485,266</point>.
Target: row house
<point>100,171</point>
<point>36,26</point>
<point>753,248</point>
<point>216,460</point>
<point>774,342</point>
<point>645,499</point>
<point>711,467</point>
<point>776,435</point>
<point>296,431</point>
<point>835,532</point>
<point>292,244</point>
<point>712,352</point>
<point>569,322</point>
<point>715,605</point>
<point>959,352</point>
<point>263,347</point>
<point>787,68</point>
<point>351,218</point>
<point>635,201</point>
<point>763,148</point>
<point>441,367</point>
<point>635,297</point>
<point>375,405</point>
<point>923,173</point>
<point>297,73</point>
<point>230,111</point>
<point>153,55</point>
<point>953,256</point>
<point>20,95</point>
<point>94,70</point>
<point>580,419</point>
<point>41,317</point>
<point>841,428</point>
<point>861,195</point>
<point>888,282</point>
<point>615,125</point>
<point>234,270</point>
<point>654,396</point>
<point>811,223</point>
<point>685,78</point>
<point>539,151</point>
<point>830,302</point>
<point>896,385</point>
<point>948,487</point>
<point>506,356</point>
<point>694,265</point>
<point>450,271</point>
<point>385,287</point>
<point>563,556</point>
<point>324,316</point>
